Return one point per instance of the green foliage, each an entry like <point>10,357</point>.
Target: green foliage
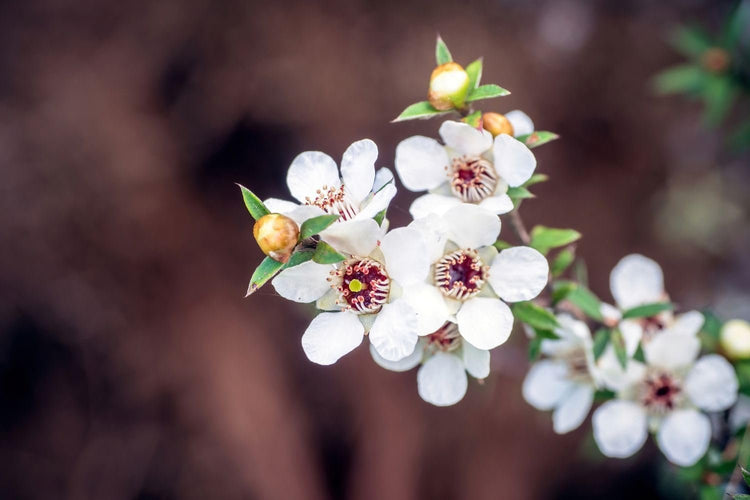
<point>380,217</point>
<point>745,475</point>
<point>601,339</point>
<point>315,225</point>
<point>603,395</point>
<point>502,244</point>
<point>563,260</point>
<point>474,119</point>
<point>253,204</point>
<point>534,315</point>
<point>581,297</point>
<point>710,332</point>
<point>442,54</point>
<point>298,258</point>
<point>537,138</point>
<point>535,348</point>
<point>647,310</point>
<point>718,97</point>
<point>690,42</point>
<point>618,342</point>
<point>419,110</point>
<point>325,254</point>
<point>487,91</point>
<point>519,193</point>
<point>264,272</point>
<point>474,70</point>
<point>546,238</point>
<point>536,179</point>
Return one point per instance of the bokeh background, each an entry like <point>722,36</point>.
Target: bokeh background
<point>131,366</point>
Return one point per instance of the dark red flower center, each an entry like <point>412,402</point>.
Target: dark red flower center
<point>363,285</point>
<point>472,178</point>
<point>460,274</point>
<point>662,392</point>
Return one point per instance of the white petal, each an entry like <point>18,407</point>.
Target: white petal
<point>304,212</point>
<point>572,411</point>
<point>485,322</point>
<point>712,383</point>
<point>442,380</point>
<point>546,384</point>
<point>636,280</point>
<point>513,160</point>
<point>303,283</point>
<point>433,233</point>
<point>610,313</point>
<point>688,323</point>
<point>277,206</point>
<point>382,177</point>
<point>519,273</point>
<point>394,333</point>
<point>620,428</point>
<point>378,202</point>
<point>309,172</point>
<point>465,139</point>
<point>632,333</point>
<point>684,436</point>
<point>330,336</point>
<point>405,255</point>
<point>613,376</point>
<point>470,226</point>
<point>476,361</point>
<point>421,163</point>
<point>520,121</point>
<point>428,303</point>
<point>672,350</point>
<point>436,204</point>
<point>498,205</point>
<point>358,168</point>
<point>401,365</point>
<point>355,237</point>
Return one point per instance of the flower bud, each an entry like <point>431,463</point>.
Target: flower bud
<point>715,60</point>
<point>735,339</point>
<point>497,124</point>
<point>276,235</point>
<point>449,85</point>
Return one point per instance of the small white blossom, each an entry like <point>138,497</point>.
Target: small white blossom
<point>521,122</point>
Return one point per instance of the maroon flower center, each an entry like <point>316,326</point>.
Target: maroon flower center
<point>472,178</point>
<point>363,285</point>
<point>446,338</point>
<point>661,392</point>
<point>652,326</point>
<point>334,201</point>
<point>460,275</point>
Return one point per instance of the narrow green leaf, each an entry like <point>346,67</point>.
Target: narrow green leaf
<point>264,272</point>
<point>534,315</point>
<point>719,96</point>
<point>682,79</point>
<point>536,179</point>
<point>315,225</point>
<point>691,42</point>
<point>486,92</point>
<point>603,395</point>
<point>519,193</point>
<point>745,475</point>
<point>561,289</point>
<point>535,348</point>
<point>618,342</point>
<point>419,110</point>
<point>586,301</point>
<point>502,244</point>
<point>546,238</point>
<point>601,339</point>
<point>563,260</point>
<point>537,138</point>
<point>474,119</point>
<point>741,496</point>
<point>647,310</point>
<point>298,258</point>
<point>546,334</point>
<point>712,324</point>
<point>442,54</point>
<point>475,73</point>
<point>325,254</point>
<point>256,207</point>
<point>380,216</point>
<point>639,355</point>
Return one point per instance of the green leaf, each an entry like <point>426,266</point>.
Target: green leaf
<point>546,334</point>
<point>601,339</point>
<point>442,54</point>
<point>473,119</point>
<point>264,272</point>
<point>486,92</point>
<point>315,225</point>
<point>535,348</point>
<point>502,244</point>
<point>419,110</point>
<point>639,355</point>
<point>741,496</point>
<point>603,395</point>
<point>534,316</point>
<point>586,301</point>
<point>691,42</point>
<point>536,179</point>
<point>380,216</point>
<point>325,254</point>
<point>256,207</point>
<point>618,342</point>
<point>647,310</point>
<point>563,260</point>
<point>682,79</point>
<point>475,73</point>
<point>719,96</point>
<point>546,238</point>
<point>519,193</point>
<point>745,475</point>
<point>298,258</point>
<point>561,289</point>
<point>537,138</point>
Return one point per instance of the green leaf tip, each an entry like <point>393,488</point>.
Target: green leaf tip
<point>253,204</point>
<point>442,54</point>
<point>315,225</point>
<point>419,110</point>
<point>264,272</point>
<point>487,91</point>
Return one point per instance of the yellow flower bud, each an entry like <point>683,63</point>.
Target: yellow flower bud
<point>276,235</point>
<point>497,124</point>
<point>735,339</point>
<point>449,85</point>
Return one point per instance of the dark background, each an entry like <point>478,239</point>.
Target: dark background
<point>131,367</point>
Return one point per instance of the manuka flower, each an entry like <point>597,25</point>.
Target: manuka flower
<point>470,168</point>
<point>515,123</point>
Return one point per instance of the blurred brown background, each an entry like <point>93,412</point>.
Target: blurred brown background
<point>131,367</point>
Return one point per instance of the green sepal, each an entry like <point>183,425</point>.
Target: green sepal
<point>537,138</point>
<point>601,339</point>
<point>474,70</point>
<point>380,217</point>
<point>315,225</point>
<point>534,315</point>
<point>253,204</point>
<point>442,54</point>
<point>325,254</point>
<point>419,110</point>
<point>647,310</point>
<point>474,119</point>
<point>487,91</point>
<point>264,272</point>
<point>546,238</point>
<point>618,342</point>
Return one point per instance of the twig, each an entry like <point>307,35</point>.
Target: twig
<point>519,228</point>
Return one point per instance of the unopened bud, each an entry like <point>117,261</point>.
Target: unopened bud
<point>497,124</point>
<point>715,60</point>
<point>449,85</point>
<point>276,235</point>
<point>735,339</point>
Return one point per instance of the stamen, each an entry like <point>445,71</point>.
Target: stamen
<point>446,338</point>
<point>363,285</point>
<point>661,392</point>
<point>334,201</point>
<point>460,275</point>
<point>472,178</point>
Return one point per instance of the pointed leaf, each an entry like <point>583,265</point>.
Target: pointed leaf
<point>691,42</point>
<point>519,193</point>
<point>502,245</point>
<point>315,225</point>
<point>682,79</point>
<point>474,119</point>
<point>618,342</point>
<point>380,217</point>
<point>563,260</point>
<point>298,258</point>
<point>601,339</point>
<point>325,254</point>
<point>537,138</point>
<point>486,92</point>
<point>647,310</point>
<point>546,238</point>
<point>586,301</point>
<point>253,204</point>
<point>419,110</point>
<point>264,272</point>
<point>442,54</point>
<point>535,348</point>
<point>474,71</point>
<point>536,179</point>
<point>534,315</point>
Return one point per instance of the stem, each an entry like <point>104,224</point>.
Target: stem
<point>519,227</point>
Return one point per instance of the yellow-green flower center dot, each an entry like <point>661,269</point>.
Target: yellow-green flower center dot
<point>355,285</point>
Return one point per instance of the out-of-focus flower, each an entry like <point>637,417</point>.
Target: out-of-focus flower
<point>449,85</point>
<point>735,339</point>
<point>515,123</point>
<point>470,168</point>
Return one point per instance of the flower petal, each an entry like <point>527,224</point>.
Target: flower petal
<point>402,365</point>
<point>303,283</point>
<point>358,168</point>
<point>513,160</point>
<point>500,204</point>
<point>378,202</point>
<point>355,237</point>
<point>465,139</point>
<point>433,233</point>
<point>672,350</point>
<point>636,280</point>
<point>430,203</point>
<point>470,226</point>
<point>520,121</point>
<point>330,336</point>
<point>476,361</point>
<point>394,333</point>
<point>610,372</point>
<point>712,383</point>
<point>382,177</point>
<point>405,255</point>
<point>632,334</point>
<point>309,172</point>
<point>442,380</point>
<point>278,206</point>
<point>688,323</point>
<point>484,322</point>
<point>304,212</point>
<point>428,303</point>
<point>421,163</point>
<point>620,428</point>
<point>573,409</point>
<point>519,273</point>
<point>684,436</point>
<point>546,384</point>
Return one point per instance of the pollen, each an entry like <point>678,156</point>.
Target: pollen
<point>472,178</point>
<point>363,285</point>
<point>461,274</point>
<point>334,201</point>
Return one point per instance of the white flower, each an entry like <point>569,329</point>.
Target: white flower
<point>521,122</point>
<point>566,380</point>
<point>470,168</point>
<point>446,359</point>
<point>469,278</point>
<point>358,194</point>
<point>364,293</point>
<point>665,396</point>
